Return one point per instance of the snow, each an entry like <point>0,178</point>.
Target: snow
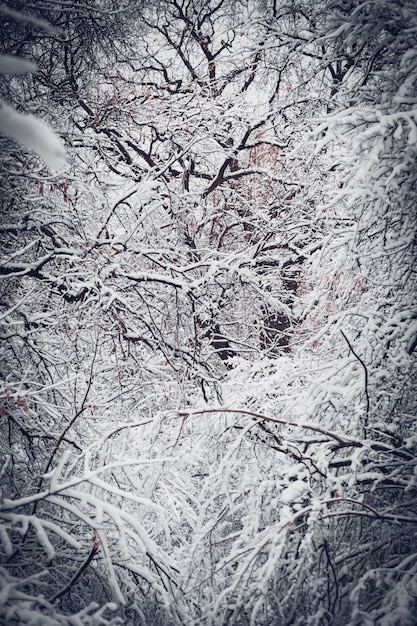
<point>293,491</point>
<point>15,65</point>
<point>17,16</point>
<point>33,134</point>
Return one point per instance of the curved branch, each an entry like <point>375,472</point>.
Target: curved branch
<point>341,440</point>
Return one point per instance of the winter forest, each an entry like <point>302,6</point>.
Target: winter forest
<point>208,313</point>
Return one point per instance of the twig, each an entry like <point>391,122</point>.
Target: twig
<point>74,579</point>
<point>342,441</point>
<point>365,369</point>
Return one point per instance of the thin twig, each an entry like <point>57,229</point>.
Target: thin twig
<point>74,579</point>
<point>341,440</point>
<point>365,369</point>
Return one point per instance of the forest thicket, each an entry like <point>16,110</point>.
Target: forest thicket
<point>208,313</point>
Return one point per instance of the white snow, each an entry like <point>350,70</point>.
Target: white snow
<point>293,491</point>
<point>15,65</point>
<point>33,134</point>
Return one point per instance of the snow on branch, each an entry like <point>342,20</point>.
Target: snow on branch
<point>17,16</point>
<point>342,440</point>
<point>88,499</point>
<point>15,65</point>
<point>33,134</point>
<point>27,130</point>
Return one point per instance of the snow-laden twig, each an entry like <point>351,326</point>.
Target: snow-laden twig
<point>342,440</point>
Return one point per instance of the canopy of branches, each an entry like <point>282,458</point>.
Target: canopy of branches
<point>208,319</point>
